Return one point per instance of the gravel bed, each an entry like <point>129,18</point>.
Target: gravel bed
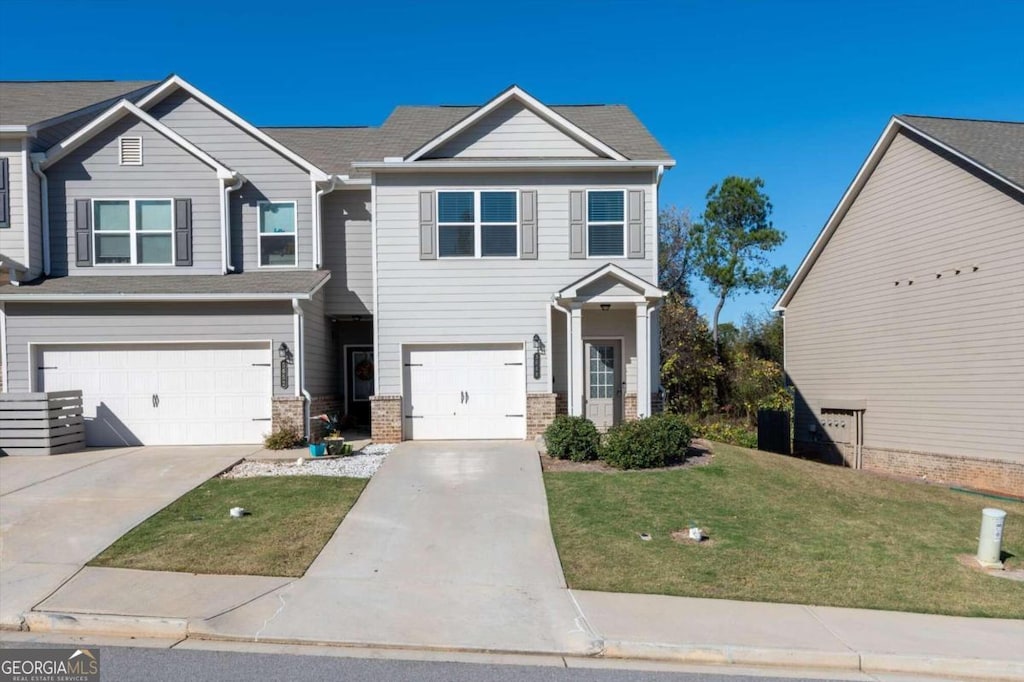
<point>361,465</point>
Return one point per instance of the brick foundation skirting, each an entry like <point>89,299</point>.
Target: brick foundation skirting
<point>629,407</point>
<point>561,403</point>
<point>971,472</point>
<point>540,412</point>
<point>386,418</point>
<point>324,404</point>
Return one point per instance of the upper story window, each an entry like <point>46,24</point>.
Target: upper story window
<point>130,149</point>
<point>606,224</point>
<point>277,241</point>
<point>478,224</point>
<point>133,231</point>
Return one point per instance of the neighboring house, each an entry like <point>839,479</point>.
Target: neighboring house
<point>905,322</point>
<point>458,272</point>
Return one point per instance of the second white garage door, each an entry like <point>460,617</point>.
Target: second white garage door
<point>165,394</point>
<point>464,392</point>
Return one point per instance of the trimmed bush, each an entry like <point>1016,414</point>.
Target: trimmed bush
<point>657,441</point>
<point>283,438</point>
<point>574,438</point>
<point>726,432</point>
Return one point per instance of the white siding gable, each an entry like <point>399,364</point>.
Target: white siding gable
<point>513,131</point>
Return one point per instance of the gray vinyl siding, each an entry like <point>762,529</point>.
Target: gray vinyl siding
<point>512,131</point>
<point>12,239</point>
<point>347,245</point>
<point>320,359</point>
<point>940,362</point>
<point>35,225</point>
<point>270,176</point>
<point>93,171</point>
<point>482,300</point>
<point>41,323</point>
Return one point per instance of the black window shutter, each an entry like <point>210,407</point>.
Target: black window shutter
<point>5,193</point>
<point>83,233</point>
<point>183,232</point>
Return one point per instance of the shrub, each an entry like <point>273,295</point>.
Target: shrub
<point>574,438</point>
<point>656,441</point>
<point>726,432</point>
<point>283,438</point>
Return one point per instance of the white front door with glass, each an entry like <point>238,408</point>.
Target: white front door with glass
<point>603,383</point>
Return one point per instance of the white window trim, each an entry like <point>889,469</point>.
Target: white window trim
<point>260,235</point>
<point>477,223</point>
<point>120,150</point>
<point>587,223</point>
<point>132,233</point>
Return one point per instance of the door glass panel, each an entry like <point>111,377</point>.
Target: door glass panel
<point>362,374</point>
<point>602,371</point>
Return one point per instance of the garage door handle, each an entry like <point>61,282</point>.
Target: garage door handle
<point>262,419</point>
<point>156,400</point>
<point>467,397</point>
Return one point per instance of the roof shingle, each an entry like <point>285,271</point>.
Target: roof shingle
<point>996,145</point>
<point>29,102</point>
<point>275,284</point>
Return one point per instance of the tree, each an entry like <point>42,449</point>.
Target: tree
<point>731,242</point>
<point>675,251</point>
<point>689,371</point>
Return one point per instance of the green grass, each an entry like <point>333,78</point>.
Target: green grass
<point>291,519</point>
<point>782,530</point>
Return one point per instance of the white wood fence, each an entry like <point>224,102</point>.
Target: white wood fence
<point>41,423</point>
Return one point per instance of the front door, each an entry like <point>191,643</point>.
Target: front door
<point>359,371</point>
<point>603,383</point>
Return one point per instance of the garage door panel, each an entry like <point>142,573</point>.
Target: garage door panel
<point>206,393</point>
<point>465,392</point>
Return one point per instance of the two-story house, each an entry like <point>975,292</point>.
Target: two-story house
<point>457,272</point>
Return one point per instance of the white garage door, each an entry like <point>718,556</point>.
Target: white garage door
<point>166,394</point>
<point>472,392</point>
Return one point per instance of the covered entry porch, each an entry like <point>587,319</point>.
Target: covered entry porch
<point>605,359</point>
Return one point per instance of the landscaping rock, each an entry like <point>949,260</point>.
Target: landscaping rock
<point>363,464</point>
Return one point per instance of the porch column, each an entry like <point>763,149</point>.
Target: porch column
<point>643,361</point>
<point>576,361</point>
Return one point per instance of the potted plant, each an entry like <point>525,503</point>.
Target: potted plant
<point>335,442</point>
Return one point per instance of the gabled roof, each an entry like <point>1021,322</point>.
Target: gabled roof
<point>29,103</point>
<point>613,271</point>
<point>176,82</point>
<point>410,127</point>
<point>515,93</point>
<point>116,113</point>
<point>995,148</point>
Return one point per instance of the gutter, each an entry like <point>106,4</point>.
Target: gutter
<point>535,164</point>
<point>44,203</point>
<point>568,349</point>
<point>225,220</point>
<point>300,366</point>
<point>318,236</point>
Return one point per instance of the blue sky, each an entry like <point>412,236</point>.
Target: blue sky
<point>796,92</point>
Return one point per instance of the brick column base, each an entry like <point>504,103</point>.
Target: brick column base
<point>629,407</point>
<point>561,403</point>
<point>287,411</point>
<point>386,418</point>
<point>540,412</point>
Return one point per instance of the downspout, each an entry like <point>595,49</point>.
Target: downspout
<point>318,237</point>
<point>300,365</point>
<point>44,204</point>
<point>568,350</point>
<point>225,217</point>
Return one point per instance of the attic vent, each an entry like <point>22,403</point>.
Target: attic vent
<point>131,151</point>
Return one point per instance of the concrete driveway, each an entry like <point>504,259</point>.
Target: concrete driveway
<point>448,546</point>
<point>57,513</point>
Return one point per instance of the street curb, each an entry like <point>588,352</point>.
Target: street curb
<point>711,654</point>
<point>98,624</point>
<point>731,655</point>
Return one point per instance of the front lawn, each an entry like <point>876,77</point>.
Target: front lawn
<point>291,519</point>
<point>782,530</point>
